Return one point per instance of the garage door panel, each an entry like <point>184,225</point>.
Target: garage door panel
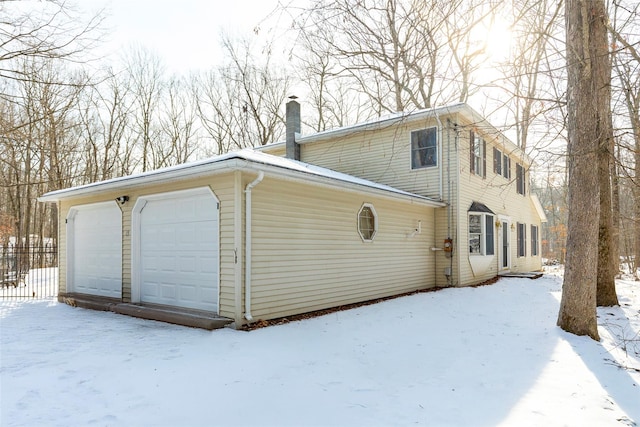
<point>96,255</point>
<point>179,251</point>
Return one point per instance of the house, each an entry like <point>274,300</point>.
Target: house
<point>412,201</point>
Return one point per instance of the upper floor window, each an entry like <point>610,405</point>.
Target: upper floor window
<point>424,148</point>
<point>497,161</point>
<point>520,179</point>
<point>506,166</point>
<point>478,158</point>
<point>367,222</point>
<point>501,163</point>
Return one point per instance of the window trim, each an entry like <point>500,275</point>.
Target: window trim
<point>436,148</point>
<point>506,166</point>
<point>481,159</point>
<point>375,222</point>
<point>497,161</point>
<point>486,221</point>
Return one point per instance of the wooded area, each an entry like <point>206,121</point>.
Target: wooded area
<point>67,121</point>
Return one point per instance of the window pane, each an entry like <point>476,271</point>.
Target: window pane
<point>424,148</point>
<point>474,243</point>
<point>497,161</point>
<point>489,235</point>
<point>366,223</point>
<point>474,224</point>
<point>506,169</point>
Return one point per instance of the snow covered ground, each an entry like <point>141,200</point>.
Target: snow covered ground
<point>458,357</point>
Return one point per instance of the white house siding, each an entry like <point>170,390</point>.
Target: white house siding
<point>500,195</point>
<point>382,155</point>
<point>308,255</point>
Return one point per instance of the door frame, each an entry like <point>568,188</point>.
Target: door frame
<point>504,235</point>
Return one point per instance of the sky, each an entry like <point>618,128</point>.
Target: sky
<point>475,356</point>
<point>186,33</point>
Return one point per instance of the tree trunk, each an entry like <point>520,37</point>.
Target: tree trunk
<point>585,32</point>
<point>607,264</point>
<point>606,289</point>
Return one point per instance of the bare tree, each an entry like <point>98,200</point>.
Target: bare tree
<point>146,72</point>
<point>390,49</point>
<point>334,101</point>
<point>624,28</point>
<point>177,141</point>
<point>104,114</point>
<point>240,103</point>
<point>37,31</point>
<point>588,106</point>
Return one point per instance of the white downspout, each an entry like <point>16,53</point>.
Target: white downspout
<point>440,138</point>
<point>247,246</point>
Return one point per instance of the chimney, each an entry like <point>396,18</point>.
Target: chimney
<point>293,127</point>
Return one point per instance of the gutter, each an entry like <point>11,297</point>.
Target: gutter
<point>247,246</point>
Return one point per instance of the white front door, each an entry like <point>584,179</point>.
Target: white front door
<point>94,256</point>
<point>179,250</point>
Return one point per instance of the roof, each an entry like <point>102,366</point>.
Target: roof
<point>480,207</point>
<point>245,160</point>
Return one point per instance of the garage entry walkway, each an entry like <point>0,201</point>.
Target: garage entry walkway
<point>175,315</point>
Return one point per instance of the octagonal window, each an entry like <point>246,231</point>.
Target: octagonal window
<point>367,222</point>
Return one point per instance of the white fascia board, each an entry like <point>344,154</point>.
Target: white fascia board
<point>538,206</point>
<point>183,172</point>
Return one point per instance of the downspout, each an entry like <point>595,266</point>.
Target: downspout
<point>247,246</point>
<point>449,205</point>
<point>456,142</point>
<point>449,213</point>
<point>441,135</point>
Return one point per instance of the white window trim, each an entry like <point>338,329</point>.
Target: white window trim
<point>483,234</point>
<point>375,222</point>
<point>479,148</point>
<point>437,149</point>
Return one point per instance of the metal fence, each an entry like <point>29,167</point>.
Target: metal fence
<point>28,271</point>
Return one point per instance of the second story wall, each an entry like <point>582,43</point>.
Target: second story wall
<point>384,155</point>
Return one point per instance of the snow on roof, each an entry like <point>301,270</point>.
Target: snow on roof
<point>248,158</point>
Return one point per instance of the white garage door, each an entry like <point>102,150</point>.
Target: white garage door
<point>179,250</point>
<point>95,256</point>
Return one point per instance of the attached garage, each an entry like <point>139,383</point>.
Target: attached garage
<point>94,250</point>
<point>237,238</point>
<point>176,248</point>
